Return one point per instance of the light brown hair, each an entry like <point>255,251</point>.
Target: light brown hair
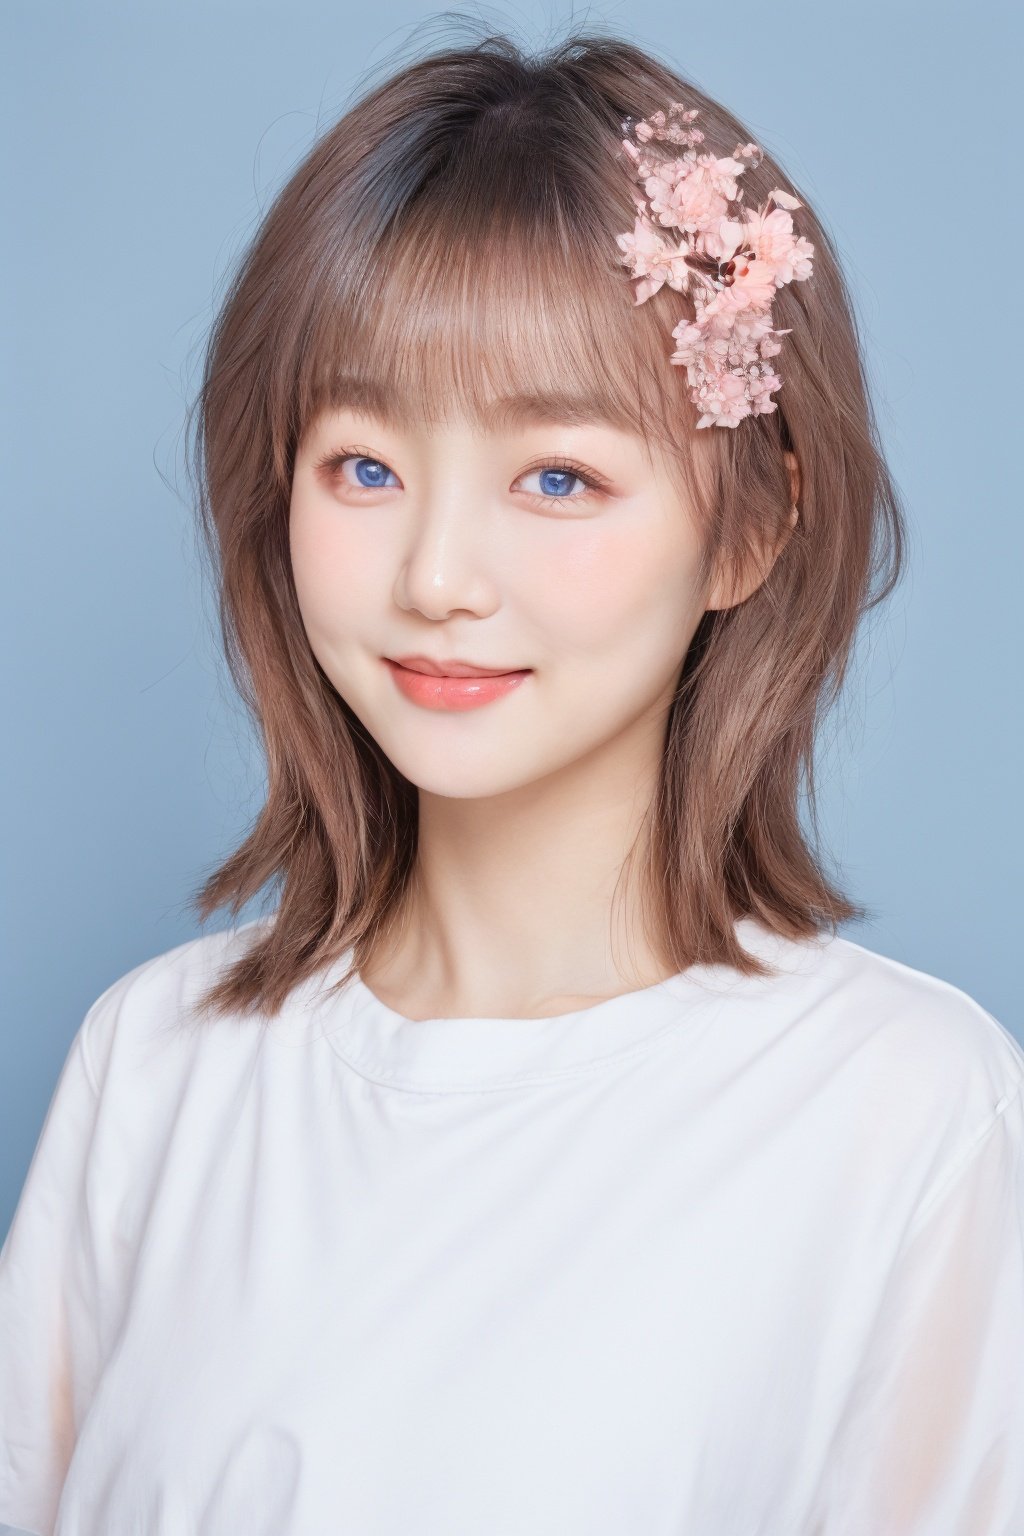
<point>451,239</point>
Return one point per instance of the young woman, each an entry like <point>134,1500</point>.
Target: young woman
<point>545,1161</point>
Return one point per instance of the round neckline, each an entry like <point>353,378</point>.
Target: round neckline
<point>479,1053</point>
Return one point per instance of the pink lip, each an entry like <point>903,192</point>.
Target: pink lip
<point>448,667</point>
<point>452,691</point>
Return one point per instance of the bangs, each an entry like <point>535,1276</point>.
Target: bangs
<point>501,307</point>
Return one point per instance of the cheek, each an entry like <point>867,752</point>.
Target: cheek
<point>617,590</point>
<point>329,569</point>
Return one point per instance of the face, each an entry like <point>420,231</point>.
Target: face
<point>561,554</point>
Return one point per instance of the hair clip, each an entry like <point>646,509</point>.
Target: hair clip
<point>729,258</point>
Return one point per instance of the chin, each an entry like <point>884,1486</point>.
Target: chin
<point>457,773</point>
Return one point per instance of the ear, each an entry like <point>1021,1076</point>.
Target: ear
<point>730,586</point>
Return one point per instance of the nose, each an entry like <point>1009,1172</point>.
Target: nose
<point>443,569</point>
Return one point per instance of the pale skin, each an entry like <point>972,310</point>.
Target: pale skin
<point>454,542</point>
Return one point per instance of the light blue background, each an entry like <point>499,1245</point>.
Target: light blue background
<point>142,141</point>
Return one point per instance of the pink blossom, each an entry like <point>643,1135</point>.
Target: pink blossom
<point>742,258</point>
<point>753,287</point>
<point>771,237</point>
<point>653,260</point>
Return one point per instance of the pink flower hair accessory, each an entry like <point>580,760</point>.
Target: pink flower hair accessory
<point>693,233</point>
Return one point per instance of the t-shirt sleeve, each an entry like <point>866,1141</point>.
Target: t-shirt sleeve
<point>48,1354</point>
<point>933,1437</point>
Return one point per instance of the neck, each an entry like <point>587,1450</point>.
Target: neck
<point>527,903</point>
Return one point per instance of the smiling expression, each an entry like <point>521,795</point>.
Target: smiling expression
<point>556,550</point>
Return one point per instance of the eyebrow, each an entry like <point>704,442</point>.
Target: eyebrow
<point>506,413</point>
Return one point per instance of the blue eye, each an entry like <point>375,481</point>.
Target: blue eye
<point>371,473</point>
<point>556,482</point>
<point>556,479</point>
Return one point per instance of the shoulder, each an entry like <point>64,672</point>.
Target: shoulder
<point>926,1026</point>
<point>921,1057</point>
<point>146,1012</point>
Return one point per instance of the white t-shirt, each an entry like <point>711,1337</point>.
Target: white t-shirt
<point>721,1257</point>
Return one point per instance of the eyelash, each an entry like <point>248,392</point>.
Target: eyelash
<point>332,462</point>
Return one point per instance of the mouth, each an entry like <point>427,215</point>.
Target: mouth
<point>453,691</point>
<point>451,668</point>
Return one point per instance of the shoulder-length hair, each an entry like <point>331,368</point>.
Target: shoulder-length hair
<point>449,239</point>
